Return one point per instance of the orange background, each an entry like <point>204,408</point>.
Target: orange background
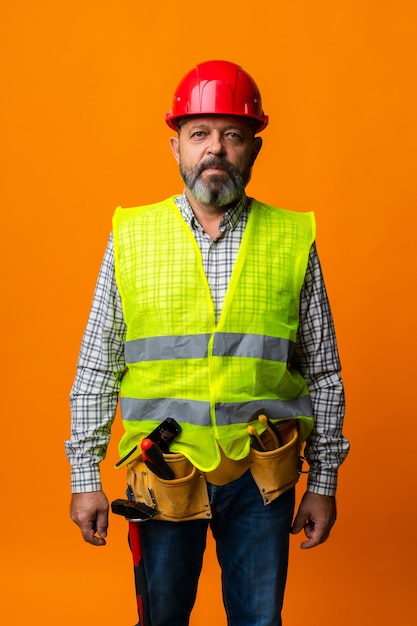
<point>85,89</point>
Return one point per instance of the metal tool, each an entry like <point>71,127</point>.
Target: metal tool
<point>136,513</point>
<point>133,511</point>
<point>151,449</point>
<point>165,433</point>
<point>162,435</point>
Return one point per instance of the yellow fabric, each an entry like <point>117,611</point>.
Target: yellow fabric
<point>165,293</point>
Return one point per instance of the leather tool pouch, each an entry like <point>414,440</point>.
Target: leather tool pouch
<point>181,499</point>
<point>276,470</point>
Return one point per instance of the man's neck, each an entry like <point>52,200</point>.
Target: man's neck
<point>209,216</point>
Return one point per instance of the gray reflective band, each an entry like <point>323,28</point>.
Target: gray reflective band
<point>237,413</point>
<point>252,346</point>
<point>167,348</point>
<point>188,411</point>
<point>196,347</point>
<point>198,413</point>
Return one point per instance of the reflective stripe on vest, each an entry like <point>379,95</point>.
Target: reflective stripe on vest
<point>212,378</point>
<point>196,347</point>
<point>192,412</point>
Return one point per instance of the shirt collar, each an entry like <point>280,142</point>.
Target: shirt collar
<point>229,220</point>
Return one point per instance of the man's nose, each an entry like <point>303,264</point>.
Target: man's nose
<point>215,145</point>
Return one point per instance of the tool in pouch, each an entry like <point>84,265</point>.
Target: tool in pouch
<point>151,450</point>
<point>273,455</point>
<point>255,439</point>
<point>162,436</point>
<point>273,431</point>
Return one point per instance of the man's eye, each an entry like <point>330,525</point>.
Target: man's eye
<point>198,134</point>
<point>234,136</point>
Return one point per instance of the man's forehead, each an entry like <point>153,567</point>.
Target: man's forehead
<point>215,121</point>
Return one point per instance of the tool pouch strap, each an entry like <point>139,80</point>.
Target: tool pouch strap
<point>181,499</point>
<point>275,471</point>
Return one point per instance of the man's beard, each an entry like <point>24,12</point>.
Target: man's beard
<point>216,191</point>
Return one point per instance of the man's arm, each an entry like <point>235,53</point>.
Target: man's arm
<point>317,358</point>
<point>94,397</point>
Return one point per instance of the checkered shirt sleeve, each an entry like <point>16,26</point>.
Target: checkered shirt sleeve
<point>317,358</point>
<point>100,369</point>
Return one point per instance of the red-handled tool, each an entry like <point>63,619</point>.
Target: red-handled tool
<point>163,435</point>
<point>136,513</point>
<point>135,542</point>
<point>154,460</point>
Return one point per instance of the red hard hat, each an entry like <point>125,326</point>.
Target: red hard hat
<point>217,88</point>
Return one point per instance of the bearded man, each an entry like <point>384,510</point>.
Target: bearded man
<point>211,309</point>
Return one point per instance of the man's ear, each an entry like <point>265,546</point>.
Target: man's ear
<point>256,148</point>
<point>175,147</point>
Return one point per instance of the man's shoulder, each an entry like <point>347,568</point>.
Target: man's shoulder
<point>299,216</point>
<point>258,204</point>
<point>126,214</point>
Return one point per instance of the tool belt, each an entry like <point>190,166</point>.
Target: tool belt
<point>186,497</point>
<point>181,499</point>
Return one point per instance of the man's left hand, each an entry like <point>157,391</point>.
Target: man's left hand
<point>316,515</point>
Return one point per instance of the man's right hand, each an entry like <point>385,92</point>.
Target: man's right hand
<point>90,512</point>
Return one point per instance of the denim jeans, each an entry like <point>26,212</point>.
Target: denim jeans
<point>252,548</point>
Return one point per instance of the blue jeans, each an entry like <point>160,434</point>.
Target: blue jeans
<point>252,543</point>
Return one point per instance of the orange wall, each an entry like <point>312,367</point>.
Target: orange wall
<point>85,89</point>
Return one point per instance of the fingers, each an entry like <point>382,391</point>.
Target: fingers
<point>299,521</point>
<point>316,534</point>
<point>91,535</point>
<point>90,512</point>
<point>102,524</point>
<point>316,516</point>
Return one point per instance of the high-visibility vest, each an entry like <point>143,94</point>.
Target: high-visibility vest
<point>214,379</point>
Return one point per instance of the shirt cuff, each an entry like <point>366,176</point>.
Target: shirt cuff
<point>322,482</point>
<point>85,479</point>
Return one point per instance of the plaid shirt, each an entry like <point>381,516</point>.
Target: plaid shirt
<point>101,364</point>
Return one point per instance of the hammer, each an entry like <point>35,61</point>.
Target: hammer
<point>136,513</point>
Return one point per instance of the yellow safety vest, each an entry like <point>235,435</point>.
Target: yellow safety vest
<point>212,378</point>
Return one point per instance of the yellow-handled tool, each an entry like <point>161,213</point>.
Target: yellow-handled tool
<point>255,440</point>
<point>134,454</point>
<point>273,431</point>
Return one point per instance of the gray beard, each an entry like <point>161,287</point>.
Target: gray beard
<point>216,191</point>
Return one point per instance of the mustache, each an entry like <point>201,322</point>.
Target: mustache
<point>216,163</point>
